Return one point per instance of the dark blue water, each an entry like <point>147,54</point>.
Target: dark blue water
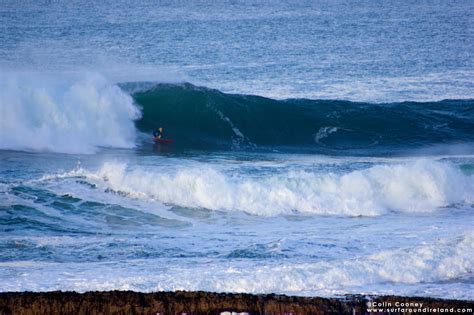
<point>200,118</point>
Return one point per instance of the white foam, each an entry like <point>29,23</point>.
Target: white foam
<point>68,113</point>
<point>416,186</point>
<point>324,132</point>
<point>236,130</point>
<point>413,270</point>
<point>441,261</point>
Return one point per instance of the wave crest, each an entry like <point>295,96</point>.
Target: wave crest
<point>67,113</point>
<point>420,186</point>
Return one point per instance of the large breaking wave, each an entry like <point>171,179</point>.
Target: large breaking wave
<point>201,117</point>
<point>69,113</point>
<point>81,112</point>
<point>418,186</point>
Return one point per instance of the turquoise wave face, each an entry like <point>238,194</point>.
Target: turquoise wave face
<point>204,118</point>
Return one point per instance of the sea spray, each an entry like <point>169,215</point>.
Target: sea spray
<point>64,112</point>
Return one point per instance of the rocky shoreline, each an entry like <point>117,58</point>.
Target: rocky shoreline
<point>181,302</point>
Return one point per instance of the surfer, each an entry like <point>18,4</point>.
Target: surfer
<point>158,133</point>
<point>158,137</point>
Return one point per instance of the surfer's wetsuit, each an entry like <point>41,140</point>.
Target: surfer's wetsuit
<point>157,134</point>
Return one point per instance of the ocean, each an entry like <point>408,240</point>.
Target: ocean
<point>320,148</point>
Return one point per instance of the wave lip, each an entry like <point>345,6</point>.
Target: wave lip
<point>419,186</point>
<point>66,113</point>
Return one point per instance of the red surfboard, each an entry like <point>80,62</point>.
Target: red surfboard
<point>163,141</point>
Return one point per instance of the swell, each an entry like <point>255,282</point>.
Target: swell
<point>204,118</point>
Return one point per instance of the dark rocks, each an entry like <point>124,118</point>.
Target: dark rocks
<point>128,302</point>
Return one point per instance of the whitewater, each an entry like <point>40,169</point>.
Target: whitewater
<point>320,149</point>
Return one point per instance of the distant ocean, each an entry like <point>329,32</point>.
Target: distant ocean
<point>320,148</point>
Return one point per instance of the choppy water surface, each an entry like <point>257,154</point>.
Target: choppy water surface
<point>299,224</point>
<point>319,148</point>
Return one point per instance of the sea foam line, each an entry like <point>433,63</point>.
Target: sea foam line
<point>416,186</point>
<point>410,270</point>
